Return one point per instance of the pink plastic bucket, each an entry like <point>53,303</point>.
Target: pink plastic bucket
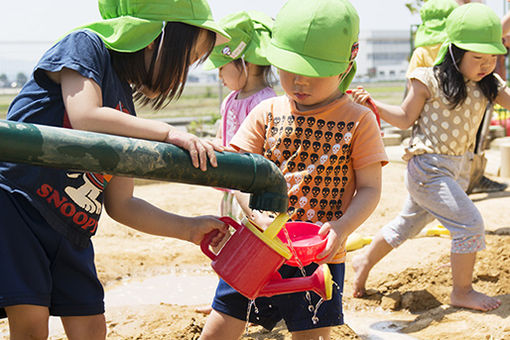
<point>305,240</point>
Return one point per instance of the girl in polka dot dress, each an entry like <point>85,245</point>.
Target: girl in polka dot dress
<point>445,106</point>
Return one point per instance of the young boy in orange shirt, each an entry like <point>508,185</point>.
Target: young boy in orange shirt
<point>329,149</point>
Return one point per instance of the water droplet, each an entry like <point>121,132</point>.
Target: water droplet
<point>315,320</point>
<point>310,308</point>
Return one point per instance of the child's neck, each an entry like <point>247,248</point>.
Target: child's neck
<point>253,85</point>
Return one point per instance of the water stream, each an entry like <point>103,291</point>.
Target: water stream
<point>193,289</point>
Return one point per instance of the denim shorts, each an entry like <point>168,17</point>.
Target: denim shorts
<point>40,267</point>
<point>292,308</point>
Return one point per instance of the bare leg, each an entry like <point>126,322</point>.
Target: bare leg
<point>28,322</point>
<point>363,263</point>
<point>463,294</point>
<point>312,334</point>
<point>92,327</point>
<point>220,326</point>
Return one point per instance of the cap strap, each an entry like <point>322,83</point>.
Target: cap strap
<point>354,51</point>
<point>453,59</point>
<point>160,46</point>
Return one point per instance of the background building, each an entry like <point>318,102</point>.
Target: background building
<point>383,55</point>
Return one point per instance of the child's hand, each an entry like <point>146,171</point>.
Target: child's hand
<point>199,149</point>
<point>262,218</point>
<point>360,96</point>
<point>335,242</point>
<point>204,225</point>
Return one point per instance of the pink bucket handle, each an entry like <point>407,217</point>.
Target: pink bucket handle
<point>206,241</point>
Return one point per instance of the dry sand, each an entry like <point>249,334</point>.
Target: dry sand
<point>410,287</point>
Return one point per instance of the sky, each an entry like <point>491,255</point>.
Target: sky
<point>28,26</point>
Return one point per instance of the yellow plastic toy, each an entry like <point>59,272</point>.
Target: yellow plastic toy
<point>356,241</point>
<point>436,231</point>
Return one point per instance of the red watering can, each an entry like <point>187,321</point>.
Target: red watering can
<point>250,259</point>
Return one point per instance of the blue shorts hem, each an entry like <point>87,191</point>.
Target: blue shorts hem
<point>304,324</point>
<point>77,310</point>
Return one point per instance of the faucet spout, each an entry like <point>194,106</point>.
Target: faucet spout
<point>95,152</point>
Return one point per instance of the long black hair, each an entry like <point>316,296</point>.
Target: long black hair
<point>451,81</point>
<point>175,60</point>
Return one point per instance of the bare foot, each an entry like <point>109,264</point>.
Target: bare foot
<point>474,300</point>
<point>361,270</point>
<point>204,310</point>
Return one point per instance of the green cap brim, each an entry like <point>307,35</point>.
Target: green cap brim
<point>299,64</point>
<point>214,62</point>
<point>131,34</point>
<point>488,48</point>
<point>126,34</point>
<point>310,67</point>
<point>221,35</point>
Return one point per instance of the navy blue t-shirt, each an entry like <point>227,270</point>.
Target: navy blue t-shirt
<point>70,201</point>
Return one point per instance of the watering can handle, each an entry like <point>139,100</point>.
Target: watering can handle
<point>206,241</point>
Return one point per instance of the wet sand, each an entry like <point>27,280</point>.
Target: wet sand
<point>408,290</point>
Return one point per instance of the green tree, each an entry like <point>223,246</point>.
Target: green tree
<point>21,79</point>
<point>414,5</point>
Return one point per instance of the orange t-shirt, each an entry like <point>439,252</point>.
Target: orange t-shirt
<point>317,151</point>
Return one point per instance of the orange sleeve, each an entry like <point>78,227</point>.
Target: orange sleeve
<point>367,144</point>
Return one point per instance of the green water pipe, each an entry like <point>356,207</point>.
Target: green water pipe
<point>101,153</point>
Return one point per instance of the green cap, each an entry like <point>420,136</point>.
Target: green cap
<point>433,20</point>
<point>250,33</point>
<point>131,25</point>
<point>315,38</point>
<point>473,27</point>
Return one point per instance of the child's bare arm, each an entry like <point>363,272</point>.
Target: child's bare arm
<point>83,102</point>
<point>402,116</point>
<point>368,192</point>
<point>122,206</point>
<point>503,98</point>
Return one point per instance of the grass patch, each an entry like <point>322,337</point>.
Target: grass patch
<point>199,100</point>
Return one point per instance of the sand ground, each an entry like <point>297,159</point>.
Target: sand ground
<point>410,286</point>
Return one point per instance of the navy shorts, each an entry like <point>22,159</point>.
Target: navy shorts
<point>292,308</point>
<point>40,267</point>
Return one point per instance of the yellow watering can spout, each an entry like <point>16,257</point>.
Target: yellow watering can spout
<point>268,236</point>
<point>277,225</point>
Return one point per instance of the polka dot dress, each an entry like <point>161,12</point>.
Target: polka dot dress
<point>441,129</point>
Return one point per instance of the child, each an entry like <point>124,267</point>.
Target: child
<point>329,149</point>
<point>430,34</point>
<point>445,105</point>
<point>86,82</point>
<point>245,70</point>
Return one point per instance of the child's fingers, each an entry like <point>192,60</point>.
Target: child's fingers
<point>202,155</point>
<point>194,157</point>
<point>209,147</point>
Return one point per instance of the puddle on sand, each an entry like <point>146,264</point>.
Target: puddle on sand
<point>372,325</point>
<point>199,290</point>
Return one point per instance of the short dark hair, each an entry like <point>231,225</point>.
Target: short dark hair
<point>265,70</point>
<point>179,40</point>
<point>451,81</point>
